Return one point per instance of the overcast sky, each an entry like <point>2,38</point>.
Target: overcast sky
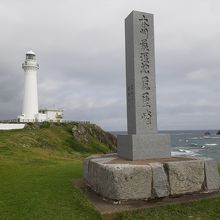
<point>80,49</point>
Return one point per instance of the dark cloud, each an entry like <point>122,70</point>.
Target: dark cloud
<point>80,49</point>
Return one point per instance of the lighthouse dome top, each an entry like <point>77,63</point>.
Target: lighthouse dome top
<point>31,52</point>
<point>30,55</point>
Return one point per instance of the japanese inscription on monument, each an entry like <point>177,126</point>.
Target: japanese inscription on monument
<point>143,140</point>
<point>144,69</point>
<point>140,74</point>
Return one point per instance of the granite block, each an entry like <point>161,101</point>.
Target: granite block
<point>185,176</point>
<point>212,180</point>
<point>160,184</point>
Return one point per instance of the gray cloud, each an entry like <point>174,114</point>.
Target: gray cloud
<point>80,49</point>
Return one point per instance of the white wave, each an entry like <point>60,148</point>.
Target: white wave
<point>182,133</point>
<point>196,138</point>
<point>214,144</point>
<point>193,144</point>
<point>214,137</point>
<point>176,153</point>
<point>184,152</point>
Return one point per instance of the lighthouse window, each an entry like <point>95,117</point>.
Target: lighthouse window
<point>30,56</point>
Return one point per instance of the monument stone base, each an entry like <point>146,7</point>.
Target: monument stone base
<point>139,147</point>
<point>115,178</point>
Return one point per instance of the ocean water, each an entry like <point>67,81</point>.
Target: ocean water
<point>193,143</point>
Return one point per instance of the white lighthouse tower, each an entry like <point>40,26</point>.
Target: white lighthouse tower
<point>30,101</point>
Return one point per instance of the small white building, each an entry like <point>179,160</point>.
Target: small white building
<point>51,115</point>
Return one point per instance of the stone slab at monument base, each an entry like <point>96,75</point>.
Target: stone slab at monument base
<point>139,147</point>
<point>115,178</point>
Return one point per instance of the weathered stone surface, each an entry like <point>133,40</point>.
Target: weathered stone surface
<point>185,176</point>
<point>212,180</point>
<point>86,166</point>
<point>120,181</point>
<point>160,185</point>
<point>116,178</point>
<point>101,158</point>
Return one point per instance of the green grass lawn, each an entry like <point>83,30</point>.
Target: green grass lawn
<point>202,210</point>
<point>36,183</point>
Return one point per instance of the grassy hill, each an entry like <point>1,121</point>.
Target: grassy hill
<point>39,163</point>
<point>75,138</point>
